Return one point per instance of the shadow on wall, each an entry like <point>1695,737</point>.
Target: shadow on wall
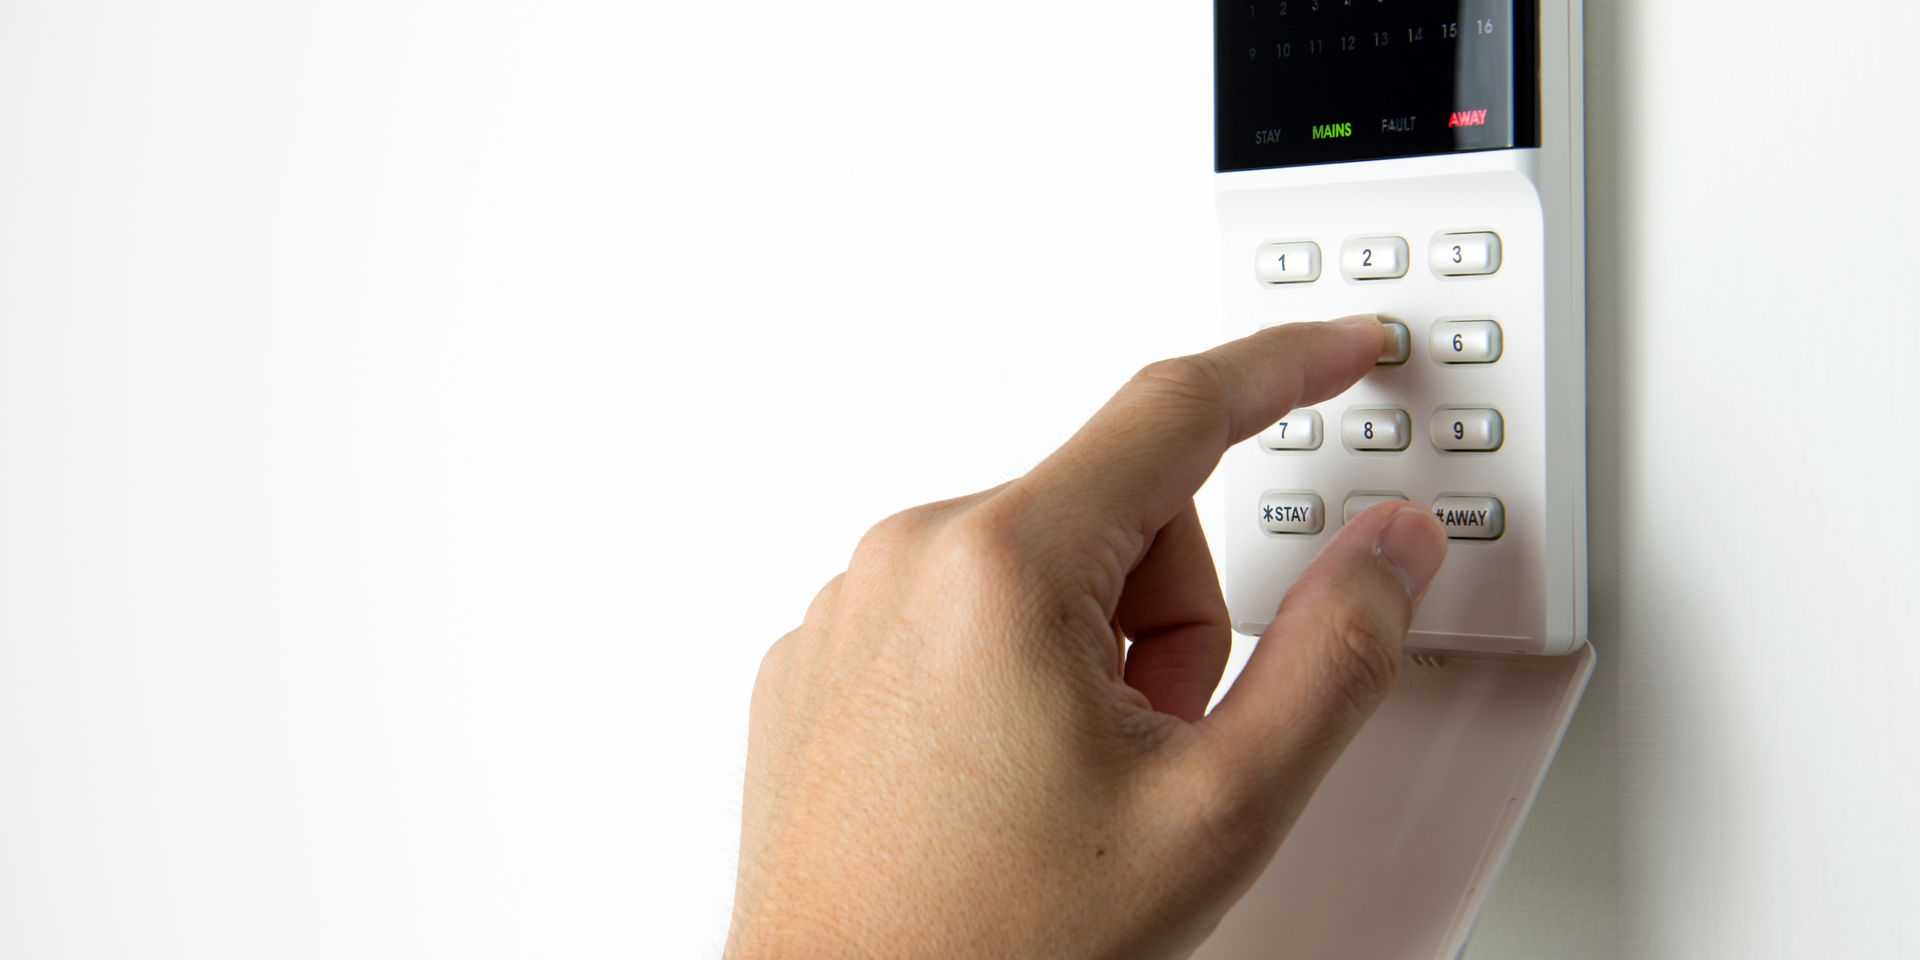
<point>1634,803</point>
<point>1560,894</point>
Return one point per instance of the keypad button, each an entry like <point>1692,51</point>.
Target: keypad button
<point>1471,518</point>
<point>1464,254</point>
<point>1399,344</point>
<point>1287,262</point>
<point>1299,431</point>
<point>1466,428</point>
<point>1360,502</point>
<point>1296,512</point>
<point>1465,341</point>
<point>1374,258</point>
<point>1364,428</point>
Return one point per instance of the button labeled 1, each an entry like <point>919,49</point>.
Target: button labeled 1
<point>1374,258</point>
<point>1287,262</point>
<point>1465,341</point>
<point>1296,512</point>
<point>1299,431</point>
<point>1375,429</point>
<point>1466,428</point>
<point>1464,254</point>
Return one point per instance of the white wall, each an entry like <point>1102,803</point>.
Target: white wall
<point>416,418</point>
<point>1742,777</point>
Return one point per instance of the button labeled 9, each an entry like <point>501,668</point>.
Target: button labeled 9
<point>1467,428</point>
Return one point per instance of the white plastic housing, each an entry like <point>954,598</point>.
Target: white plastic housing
<point>1522,593</point>
<point>1396,854</point>
<point>1394,857</point>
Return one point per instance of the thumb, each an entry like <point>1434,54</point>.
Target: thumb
<point>1328,658</point>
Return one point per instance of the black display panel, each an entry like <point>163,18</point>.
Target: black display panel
<point>1320,81</point>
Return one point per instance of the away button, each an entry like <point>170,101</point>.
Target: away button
<point>1471,518</point>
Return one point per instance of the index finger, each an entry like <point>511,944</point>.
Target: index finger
<point>1142,457</point>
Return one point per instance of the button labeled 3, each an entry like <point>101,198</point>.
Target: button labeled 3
<point>1296,512</point>
<point>1299,431</point>
<point>1377,428</point>
<point>1466,428</point>
<point>1465,341</point>
<point>1374,258</point>
<point>1464,254</point>
<point>1287,262</point>
<point>1471,518</point>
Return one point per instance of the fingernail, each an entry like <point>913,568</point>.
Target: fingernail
<point>1358,320</point>
<point>1414,545</point>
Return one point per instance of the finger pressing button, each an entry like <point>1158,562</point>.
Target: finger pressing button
<point>1359,503</point>
<point>1399,344</point>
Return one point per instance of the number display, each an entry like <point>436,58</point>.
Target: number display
<point>1403,92</point>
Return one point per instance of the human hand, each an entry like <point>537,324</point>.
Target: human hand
<point>958,753</point>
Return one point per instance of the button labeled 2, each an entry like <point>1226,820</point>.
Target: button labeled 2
<point>1465,341</point>
<point>1374,258</point>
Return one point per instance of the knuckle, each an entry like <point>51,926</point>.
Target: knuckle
<point>983,544</point>
<point>822,605</point>
<point>1194,379</point>
<point>896,530</point>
